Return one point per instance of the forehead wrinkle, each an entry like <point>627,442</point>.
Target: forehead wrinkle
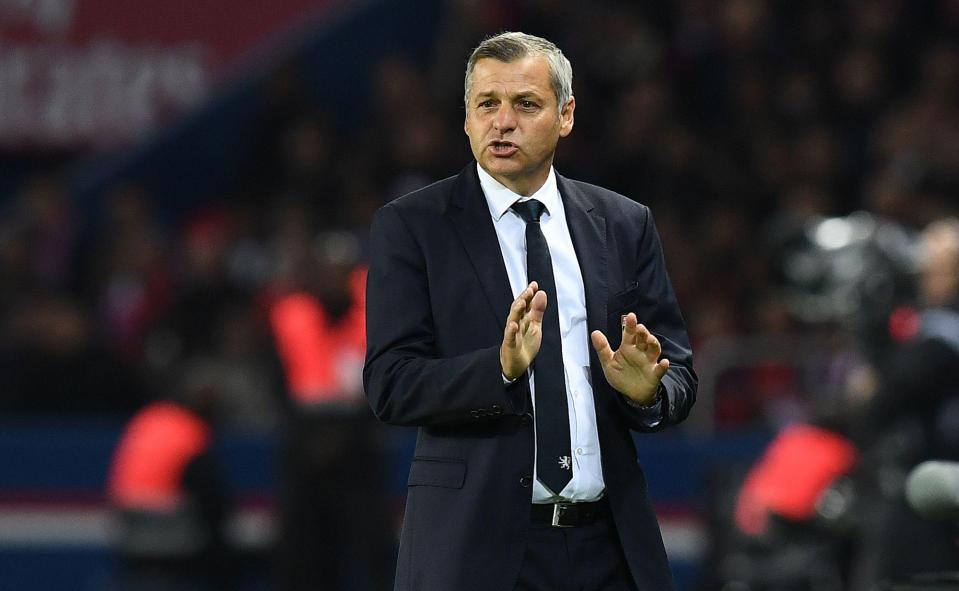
<point>518,94</point>
<point>497,90</point>
<point>526,72</point>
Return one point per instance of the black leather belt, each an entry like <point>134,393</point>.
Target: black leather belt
<point>564,514</point>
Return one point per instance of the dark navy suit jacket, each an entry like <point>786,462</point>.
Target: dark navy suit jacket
<point>437,300</point>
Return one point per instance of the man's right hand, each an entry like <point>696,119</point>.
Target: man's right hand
<point>524,332</point>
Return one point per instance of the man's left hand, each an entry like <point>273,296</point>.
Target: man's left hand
<point>634,369</point>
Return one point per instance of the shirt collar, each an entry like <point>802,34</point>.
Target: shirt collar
<point>500,199</point>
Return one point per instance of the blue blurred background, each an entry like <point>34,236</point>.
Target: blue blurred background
<point>168,171</point>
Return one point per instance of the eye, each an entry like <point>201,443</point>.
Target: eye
<point>487,104</point>
<point>528,105</point>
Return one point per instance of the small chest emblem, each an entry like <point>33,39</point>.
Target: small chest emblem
<point>564,463</point>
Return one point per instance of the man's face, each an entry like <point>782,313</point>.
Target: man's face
<point>939,283</point>
<point>513,122</point>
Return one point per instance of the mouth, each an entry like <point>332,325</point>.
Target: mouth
<point>502,149</point>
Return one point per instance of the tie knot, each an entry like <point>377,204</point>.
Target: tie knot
<point>529,210</point>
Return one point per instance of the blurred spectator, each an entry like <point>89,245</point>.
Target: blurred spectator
<point>129,271</point>
<point>51,224</point>
<point>216,315</point>
<point>207,294</point>
<point>912,417</point>
<point>170,501</point>
<point>52,357</point>
<point>38,238</point>
<point>740,124</point>
<point>335,529</point>
<point>727,115</point>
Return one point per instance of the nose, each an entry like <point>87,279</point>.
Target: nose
<point>505,118</point>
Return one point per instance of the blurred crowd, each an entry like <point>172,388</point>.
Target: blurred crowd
<point>740,123</point>
<point>736,122</point>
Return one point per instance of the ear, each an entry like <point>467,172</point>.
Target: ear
<point>566,118</point>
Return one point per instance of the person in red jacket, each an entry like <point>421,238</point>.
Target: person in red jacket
<point>170,502</point>
<point>335,532</point>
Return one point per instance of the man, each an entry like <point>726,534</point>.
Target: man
<point>172,504</point>
<point>913,416</point>
<point>500,499</point>
<point>329,455</point>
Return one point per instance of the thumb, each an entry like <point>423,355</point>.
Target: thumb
<point>601,344</point>
<point>537,307</point>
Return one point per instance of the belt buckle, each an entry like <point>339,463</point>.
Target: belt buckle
<point>559,510</point>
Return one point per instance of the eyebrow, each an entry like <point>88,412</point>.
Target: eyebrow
<point>528,93</point>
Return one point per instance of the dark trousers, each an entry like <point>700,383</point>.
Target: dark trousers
<point>335,529</point>
<point>584,558</point>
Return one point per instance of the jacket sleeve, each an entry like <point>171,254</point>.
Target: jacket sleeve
<point>657,308</point>
<point>406,381</point>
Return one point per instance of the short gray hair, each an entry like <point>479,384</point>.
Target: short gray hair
<point>511,46</point>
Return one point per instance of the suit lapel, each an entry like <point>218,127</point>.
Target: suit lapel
<point>471,217</point>
<point>587,228</point>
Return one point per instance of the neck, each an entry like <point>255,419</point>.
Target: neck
<point>524,186</point>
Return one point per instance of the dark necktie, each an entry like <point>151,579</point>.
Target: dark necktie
<point>554,464</point>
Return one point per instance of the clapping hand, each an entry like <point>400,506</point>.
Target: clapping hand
<point>634,369</point>
<point>524,332</point>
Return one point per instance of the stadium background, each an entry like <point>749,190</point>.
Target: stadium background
<point>150,152</point>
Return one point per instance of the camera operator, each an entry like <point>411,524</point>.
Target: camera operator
<point>913,416</point>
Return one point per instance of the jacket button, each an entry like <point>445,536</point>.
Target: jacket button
<point>496,410</point>
<point>475,414</point>
<point>526,481</point>
<point>526,419</point>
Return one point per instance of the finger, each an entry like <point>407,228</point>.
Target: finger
<point>537,307</point>
<point>629,329</point>
<point>601,344</point>
<point>639,343</point>
<point>645,340</point>
<point>633,357</point>
<point>509,335</point>
<point>638,334</point>
<point>516,309</point>
<point>660,370</point>
<point>642,332</point>
<point>527,294</point>
<point>653,348</point>
<point>530,290</point>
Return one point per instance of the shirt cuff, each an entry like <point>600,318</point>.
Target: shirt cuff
<point>652,413</point>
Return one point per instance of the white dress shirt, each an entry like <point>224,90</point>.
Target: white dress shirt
<point>587,482</point>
